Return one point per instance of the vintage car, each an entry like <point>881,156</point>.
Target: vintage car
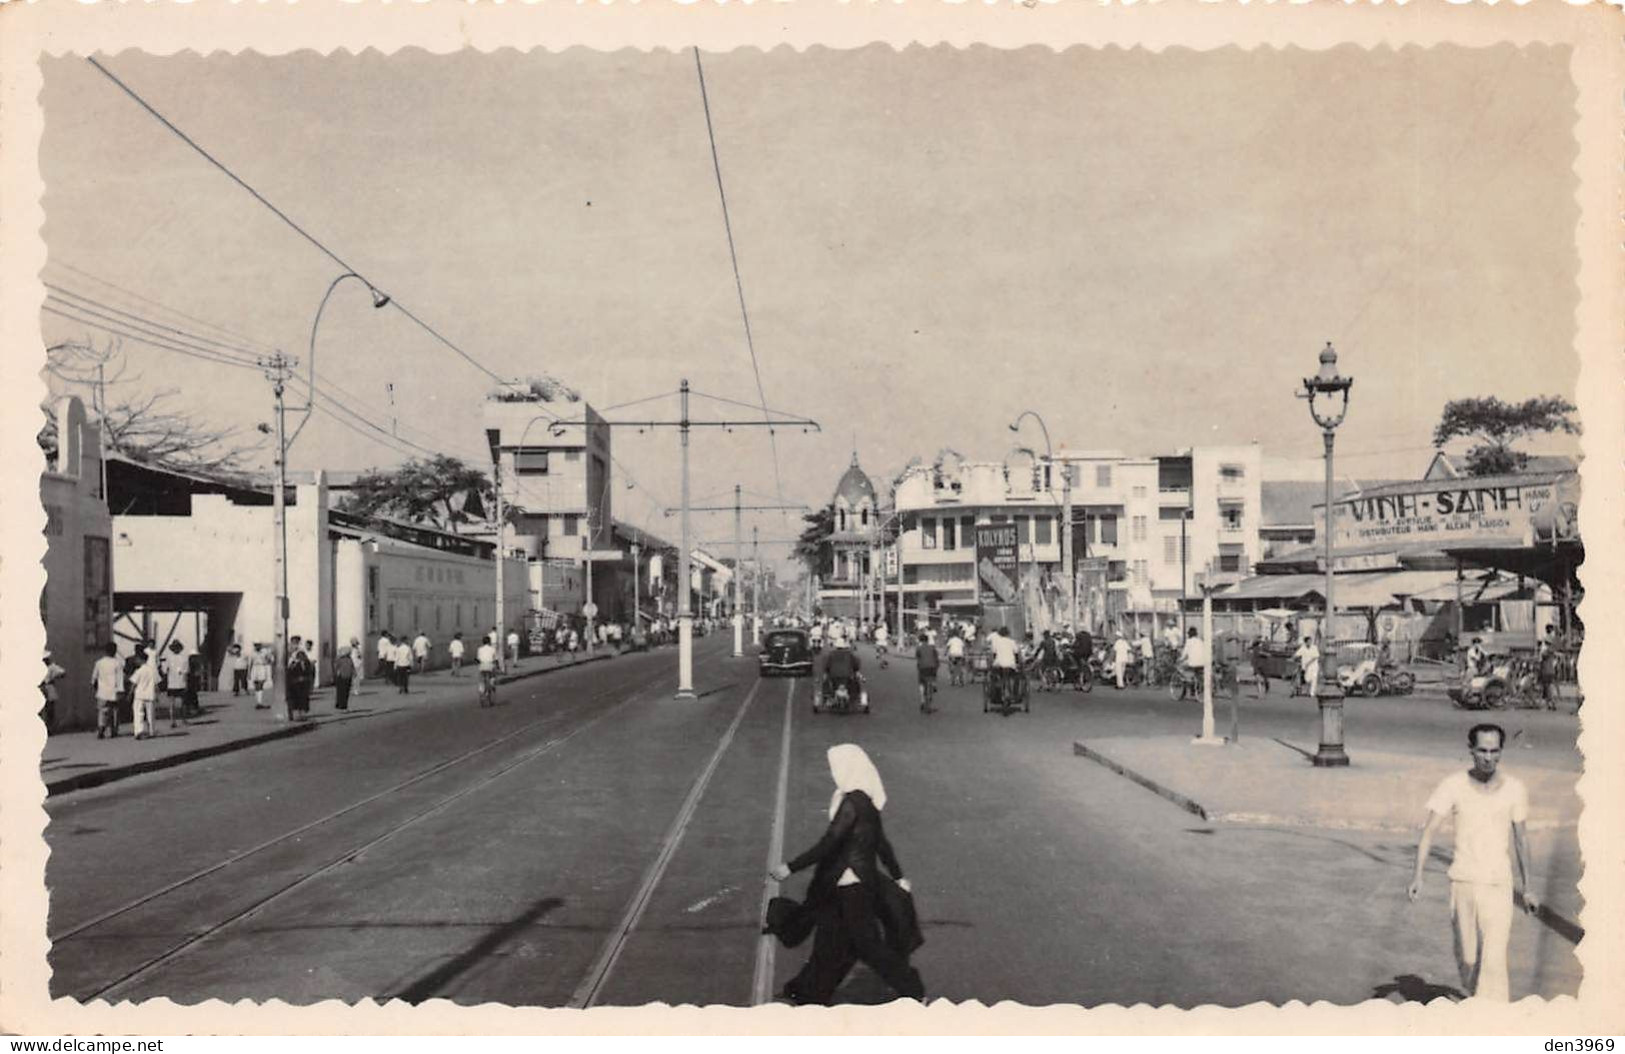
<point>786,651</point>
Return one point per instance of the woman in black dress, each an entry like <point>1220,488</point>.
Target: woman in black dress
<point>849,894</point>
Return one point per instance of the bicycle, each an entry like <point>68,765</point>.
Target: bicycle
<point>928,693</point>
<point>488,688</point>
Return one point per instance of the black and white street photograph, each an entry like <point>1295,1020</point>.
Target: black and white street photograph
<point>814,526</point>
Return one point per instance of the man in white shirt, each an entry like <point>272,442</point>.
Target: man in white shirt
<point>487,658</point>
<point>1170,635</point>
<point>386,656</point>
<point>1477,661</point>
<point>108,677</point>
<point>513,646</point>
<point>403,666</point>
<point>1487,806</point>
<point>144,686</point>
<point>455,650</point>
<point>48,689</point>
<point>1006,656</point>
<point>174,668</point>
<point>956,659</point>
<point>1195,653</point>
<point>1308,658</point>
<point>1193,660</point>
<point>1120,657</point>
<point>420,652</point>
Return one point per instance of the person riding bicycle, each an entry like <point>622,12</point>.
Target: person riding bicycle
<point>1006,662</point>
<point>1147,655</point>
<point>956,658</point>
<point>487,659</point>
<point>1083,649</point>
<point>843,667</point>
<point>1477,661</point>
<point>881,637</point>
<point>1193,659</point>
<point>1049,654</point>
<point>925,661</point>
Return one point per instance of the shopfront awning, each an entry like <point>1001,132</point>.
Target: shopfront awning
<point>1476,589</point>
<point>1274,587</point>
<point>1383,590</point>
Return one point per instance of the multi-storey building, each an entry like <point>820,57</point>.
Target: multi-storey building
<point>553,449</point>
<point>1143,528</point>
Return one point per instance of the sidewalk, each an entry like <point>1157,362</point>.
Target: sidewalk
<point>1271,782</point>
<point>77,760</point>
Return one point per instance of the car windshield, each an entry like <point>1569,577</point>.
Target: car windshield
<point>775,640</point>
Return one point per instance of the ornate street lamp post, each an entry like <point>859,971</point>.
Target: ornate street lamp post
<point>1065,522</point>
<point>1334,390</point>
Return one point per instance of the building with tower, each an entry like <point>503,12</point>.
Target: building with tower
<point>855,519</point>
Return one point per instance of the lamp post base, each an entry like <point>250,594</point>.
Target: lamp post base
<point>1331,754</point>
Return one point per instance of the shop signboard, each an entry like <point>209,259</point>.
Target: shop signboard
<point>998,564</point>
<point>1443,514</point>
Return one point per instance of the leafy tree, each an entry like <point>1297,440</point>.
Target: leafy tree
<point>813,546</point>
<point>1496,425</point>
<point>143,427</point>
<point>439,490</point>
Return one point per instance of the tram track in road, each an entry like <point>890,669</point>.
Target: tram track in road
<point>592,986</point>
<point>186,885</point>
<point>761,985</point>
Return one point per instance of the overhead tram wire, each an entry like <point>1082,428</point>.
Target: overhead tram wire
<point>325,387</point>
<point>91,305</point>
<point>163,345</point>
<point>739,285</point>
<point>285,218</point>
<point>239,338</point>
<point>173,338</point>
<point>65,310</point>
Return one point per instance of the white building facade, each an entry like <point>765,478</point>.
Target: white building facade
<point>198,567</point>
<point>1144,528</point>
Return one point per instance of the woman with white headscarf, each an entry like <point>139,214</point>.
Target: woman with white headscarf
<point>848,887</point>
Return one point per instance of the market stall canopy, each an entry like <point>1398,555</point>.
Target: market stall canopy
<point>1384,590</point>
<point>1274,587</point>
<point>1475,589</point>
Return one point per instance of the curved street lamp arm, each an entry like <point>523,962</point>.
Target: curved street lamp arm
<point>378,301</point>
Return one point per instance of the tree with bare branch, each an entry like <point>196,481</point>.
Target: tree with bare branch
<point>142,426</point>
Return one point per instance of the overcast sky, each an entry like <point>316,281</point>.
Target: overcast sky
<point>1150,250</point>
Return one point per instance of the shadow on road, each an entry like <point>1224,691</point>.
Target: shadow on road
<point>1413,989</point>
<point>430,984</point>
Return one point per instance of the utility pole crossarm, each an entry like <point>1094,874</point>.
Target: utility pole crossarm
<point>730,508</point>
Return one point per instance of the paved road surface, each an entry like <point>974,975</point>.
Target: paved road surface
<point>593,841</point>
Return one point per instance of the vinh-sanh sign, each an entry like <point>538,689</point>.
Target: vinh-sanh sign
<point>1447,514</point>
<point>998,562</point>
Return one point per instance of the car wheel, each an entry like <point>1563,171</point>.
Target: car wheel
<point>1371,684</point>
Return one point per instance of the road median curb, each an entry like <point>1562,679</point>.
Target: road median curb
<point>86,780</point>
<point>1190,806</point>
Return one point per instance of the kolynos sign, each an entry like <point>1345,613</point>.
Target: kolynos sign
<point>998,562</point>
